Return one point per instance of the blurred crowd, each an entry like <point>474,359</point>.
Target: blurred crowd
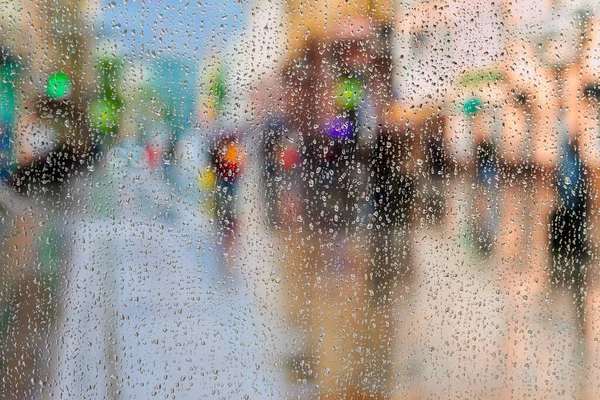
<point>340,131</point>
<point>480,119</point>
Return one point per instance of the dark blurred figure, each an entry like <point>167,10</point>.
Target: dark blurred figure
<point>227,159</point>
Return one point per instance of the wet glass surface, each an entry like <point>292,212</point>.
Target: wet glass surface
<point>299,199</point>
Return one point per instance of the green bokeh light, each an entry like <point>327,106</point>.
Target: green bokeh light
<point>104,115</point>
<point>349,93</point>
<point>471,106</point>
<point>59,85</point>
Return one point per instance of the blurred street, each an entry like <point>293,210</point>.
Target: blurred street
<point>300,200</point>
<point>180,315</point>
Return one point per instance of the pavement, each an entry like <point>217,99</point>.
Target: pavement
<point>155,305</point>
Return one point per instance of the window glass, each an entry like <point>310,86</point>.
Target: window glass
<point>366,199</point>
